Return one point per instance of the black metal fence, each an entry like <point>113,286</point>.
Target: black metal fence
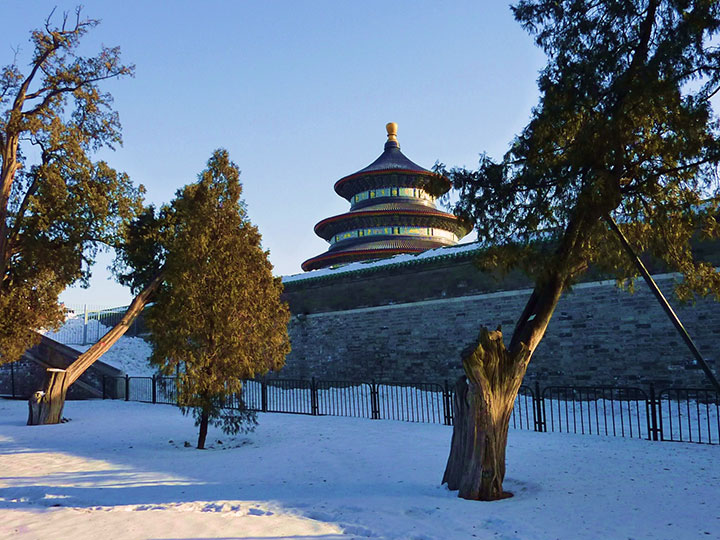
<point>680,414</point>
<point>603,410</point>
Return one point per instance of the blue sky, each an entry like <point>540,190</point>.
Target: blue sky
<point>299,93</point>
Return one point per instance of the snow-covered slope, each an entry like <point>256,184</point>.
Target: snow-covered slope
<point>120,470</point>
<point>129,354</point>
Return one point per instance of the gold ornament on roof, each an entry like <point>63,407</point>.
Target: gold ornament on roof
<point>391,131</point>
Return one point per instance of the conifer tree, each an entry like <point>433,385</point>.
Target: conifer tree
<point>217,318</point>
<point>57,206</point>
<point>624,132</point>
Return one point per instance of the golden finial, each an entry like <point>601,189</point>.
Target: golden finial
<point>392,132</point>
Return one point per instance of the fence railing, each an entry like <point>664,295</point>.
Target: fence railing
<point>679,414</point>
<point>688,414</point>
<point>598,410</point>
<point>87,324</point>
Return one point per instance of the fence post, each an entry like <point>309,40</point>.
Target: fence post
<point>127,387</point>
<point>12,379</point>
<point>154,389</point>
<point>85,321</point>
<point>447,399</point>
<point>263,395</point>
<point>654,429</point>
<point>374,401</point>
<point>539,406</point>
<point>314,409</point>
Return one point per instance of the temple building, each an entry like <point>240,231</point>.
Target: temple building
<point>392,211</point>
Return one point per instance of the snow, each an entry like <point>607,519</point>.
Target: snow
<point>364,265</point>
<point>129,354</point>
<point>121,470</point>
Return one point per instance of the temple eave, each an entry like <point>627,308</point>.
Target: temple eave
<point>330,258</point>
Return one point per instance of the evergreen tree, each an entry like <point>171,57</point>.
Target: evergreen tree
<point>624,131</point>
<point>217,318</point>
<point>57,206</point>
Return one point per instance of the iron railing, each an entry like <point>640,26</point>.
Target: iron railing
<point>688,414</point>
<point>86,324</point>
<point>596,410</point>
<point>680,414</point>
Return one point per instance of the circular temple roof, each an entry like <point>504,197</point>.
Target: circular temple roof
<point>391,208</point>
<point>392,160</point>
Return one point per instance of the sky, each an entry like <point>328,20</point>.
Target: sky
<point>299,94</point>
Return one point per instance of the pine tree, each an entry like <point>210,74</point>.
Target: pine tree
<point>217,318</point>
<point>624,132</point>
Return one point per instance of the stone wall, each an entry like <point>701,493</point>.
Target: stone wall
<point>599,335</point>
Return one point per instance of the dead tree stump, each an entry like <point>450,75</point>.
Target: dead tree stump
<point>46,406</point>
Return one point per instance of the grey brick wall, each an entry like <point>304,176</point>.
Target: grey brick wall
<point>599,335</point>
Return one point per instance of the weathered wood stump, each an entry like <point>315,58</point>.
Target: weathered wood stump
<point>46,406</point>
<point>483,405</point>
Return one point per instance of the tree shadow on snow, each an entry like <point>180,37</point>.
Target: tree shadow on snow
<point>294,537</point>
<point>149,465</point>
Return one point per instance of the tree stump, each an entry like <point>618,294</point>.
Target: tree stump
<point>482,408</point>
<point>46,406</point>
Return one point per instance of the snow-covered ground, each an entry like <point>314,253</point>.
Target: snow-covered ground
<point>120,470</point>
<point>129,354</point>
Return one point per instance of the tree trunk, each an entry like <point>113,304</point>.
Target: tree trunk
<point>46,406</point>
<point>204,417</point>
<point>482,408</point>
<point>484,403</point>
<point>52,395</point>
<point>7,175</point>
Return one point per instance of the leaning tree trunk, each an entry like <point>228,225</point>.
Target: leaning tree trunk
<point>483,404</point>
<point>46,405</point>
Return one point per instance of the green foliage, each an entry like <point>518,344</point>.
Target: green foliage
<point>57,206</point>
<point>624,128</point>
<point>218,317</point>
<point>141,254</point>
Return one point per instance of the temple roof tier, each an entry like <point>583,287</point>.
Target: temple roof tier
<point>392,168</point>
<point>342,257</point>
<point>422,217</point>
